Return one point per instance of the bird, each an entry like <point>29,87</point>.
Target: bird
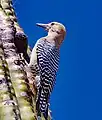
<point>21,43</point>
<point>44,62</point>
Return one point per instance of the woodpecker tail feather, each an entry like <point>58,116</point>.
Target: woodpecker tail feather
<point>42,104</point>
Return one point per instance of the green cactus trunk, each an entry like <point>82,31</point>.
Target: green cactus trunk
<point>17,89</point>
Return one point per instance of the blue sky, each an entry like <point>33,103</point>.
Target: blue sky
<point>78,91</point>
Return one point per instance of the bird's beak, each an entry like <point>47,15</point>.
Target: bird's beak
<point>45,26</point>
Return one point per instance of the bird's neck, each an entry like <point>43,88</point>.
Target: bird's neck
<point>57,40</point>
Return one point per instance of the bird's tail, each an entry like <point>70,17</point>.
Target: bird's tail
<point>42,104</point>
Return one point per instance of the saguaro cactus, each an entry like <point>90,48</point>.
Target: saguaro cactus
<point>17,99</point>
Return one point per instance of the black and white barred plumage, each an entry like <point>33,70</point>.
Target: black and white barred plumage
<point>48,61</point>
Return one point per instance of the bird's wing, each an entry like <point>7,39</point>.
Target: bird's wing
<point>48,61</point>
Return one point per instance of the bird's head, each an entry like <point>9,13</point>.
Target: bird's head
<point>55,30</point>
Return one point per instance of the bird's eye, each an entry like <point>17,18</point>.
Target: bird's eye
<point>52,23</point>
